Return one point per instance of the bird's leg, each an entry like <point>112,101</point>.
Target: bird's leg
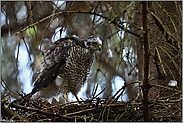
<point>65,97</point>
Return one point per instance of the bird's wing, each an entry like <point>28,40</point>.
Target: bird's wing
<point>54,62</point>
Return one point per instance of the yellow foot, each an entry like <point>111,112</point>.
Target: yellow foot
<point>65,97</point>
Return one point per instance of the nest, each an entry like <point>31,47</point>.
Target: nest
<point>91,110</point>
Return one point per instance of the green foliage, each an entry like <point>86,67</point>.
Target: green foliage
<point>32,31</point>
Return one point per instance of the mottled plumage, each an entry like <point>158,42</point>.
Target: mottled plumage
<point>66,67</point>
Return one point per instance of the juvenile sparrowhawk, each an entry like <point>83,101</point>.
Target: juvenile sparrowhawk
<point>66,67</point>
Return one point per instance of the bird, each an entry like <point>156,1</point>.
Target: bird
<point>66,67</point>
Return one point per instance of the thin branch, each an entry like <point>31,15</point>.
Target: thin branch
<point>40,111</point>
<point>85,12</point>
<point>101,92</point>
<point>26,47</point>
<point>172,89</point>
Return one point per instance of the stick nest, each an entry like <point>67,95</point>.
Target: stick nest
<point>27,110</point>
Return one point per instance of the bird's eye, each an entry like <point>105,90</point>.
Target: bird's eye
<point>94,43</point>
<point>88,43</point>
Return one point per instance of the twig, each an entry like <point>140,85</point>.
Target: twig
<point>2,80</point>
<point>158,54</point>
<point>9,113</point>
<point>133,82</point>
<point>26,47</point>
<point>101,91</point>
<point>40,111</point>
<point>162,27</point>
<point>18,52</point>
<point>83,111</point>
<point>177,67</point>
<point>95,90</point>
<point>172,89</point>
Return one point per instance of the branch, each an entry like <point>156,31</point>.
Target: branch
<point>85,12</point>
<point>146,63</point>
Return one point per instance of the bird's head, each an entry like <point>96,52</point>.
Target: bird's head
<point>93,43</point>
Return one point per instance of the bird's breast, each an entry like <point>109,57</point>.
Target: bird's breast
<point>76,71</point>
